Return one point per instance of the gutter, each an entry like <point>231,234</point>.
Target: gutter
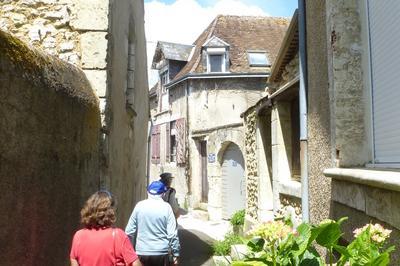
<point>303,111</point>
<point>216,76</point>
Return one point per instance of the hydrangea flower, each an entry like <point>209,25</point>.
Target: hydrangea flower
<point>271,231</point>
<point>377,232</point>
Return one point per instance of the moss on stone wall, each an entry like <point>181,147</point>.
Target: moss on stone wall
<point>44,70</point>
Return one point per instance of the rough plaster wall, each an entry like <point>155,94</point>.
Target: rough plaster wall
<point>49,142</point>
<point>179,181</point>
<point>344,27</point>
<point>127,130</point>
<point>73,30</point>
<point>221,101</point>
<point>177,100</point>
<point>153,105</point>
<point>251,163</point>
<point>319,136</point>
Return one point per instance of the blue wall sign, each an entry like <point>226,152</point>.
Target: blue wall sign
<point>211,158</point>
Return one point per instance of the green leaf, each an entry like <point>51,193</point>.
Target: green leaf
<point>256,244</point>
<point>310,259</point>
<point>329,235</point>
<point>390,249</point>
<point>342,250</point>
<point>381,260</point>
<point>303,238</point>
<point>341,220</point>
<point>248,263</point>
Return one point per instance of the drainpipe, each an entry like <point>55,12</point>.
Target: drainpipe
<point>303,111</point>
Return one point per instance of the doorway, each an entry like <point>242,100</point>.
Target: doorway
<point>233,181</point>
<point>204,178</point>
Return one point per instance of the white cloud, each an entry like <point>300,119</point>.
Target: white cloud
<point>184,20</point>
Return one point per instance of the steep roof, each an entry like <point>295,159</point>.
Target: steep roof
<point>242,33</point>
<point>288,49</point>
<point>171,51</point>
<point>153,91</point>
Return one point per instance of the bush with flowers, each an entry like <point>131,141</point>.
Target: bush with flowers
<point>276,243</point>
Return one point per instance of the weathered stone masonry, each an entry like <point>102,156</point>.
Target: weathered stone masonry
<point>251,163</point>
<point>73,30</point>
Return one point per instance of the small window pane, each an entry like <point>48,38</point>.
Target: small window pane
<point>216,63</point>
<point>258,59</point>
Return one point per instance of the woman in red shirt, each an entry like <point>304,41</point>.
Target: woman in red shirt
<point>99,243</point>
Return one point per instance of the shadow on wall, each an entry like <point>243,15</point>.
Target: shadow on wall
<point>49,143</point>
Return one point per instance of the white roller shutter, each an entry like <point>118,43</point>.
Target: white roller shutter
<point>384,32</point>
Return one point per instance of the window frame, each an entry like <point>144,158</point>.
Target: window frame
<point>267,64</point>
<point>220,51</point>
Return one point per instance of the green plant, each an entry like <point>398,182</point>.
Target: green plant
<point>238,218</point>
<point>223,247</point>
<point>368,247</point>
<point>275,243</point>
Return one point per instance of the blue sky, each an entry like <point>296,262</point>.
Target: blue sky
<point>280,8</point>
<point>181,21</point>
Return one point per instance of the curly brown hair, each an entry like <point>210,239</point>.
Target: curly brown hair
<point>99,210</point>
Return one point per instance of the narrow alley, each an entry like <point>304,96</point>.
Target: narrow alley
<point>276,124</point>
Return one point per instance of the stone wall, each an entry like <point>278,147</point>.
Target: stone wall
<point>251,162</point>
<point>73,30</point>
<point>49,142</point>
<point>106,39</point>
<point>350,115</point>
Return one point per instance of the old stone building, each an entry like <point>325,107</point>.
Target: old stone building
<point>105,38</point>
<point>353,113</point>
<point>272,146</point>
<point>197,132</point>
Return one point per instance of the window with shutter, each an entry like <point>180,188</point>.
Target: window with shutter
<point>180,141</point>
<point>384,62</point>
<point>155,144</point>
<point>167,142</point>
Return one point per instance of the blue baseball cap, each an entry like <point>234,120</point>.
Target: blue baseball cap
<point>156,188</point>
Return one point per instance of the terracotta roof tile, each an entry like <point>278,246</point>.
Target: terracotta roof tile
<point>242,33</point>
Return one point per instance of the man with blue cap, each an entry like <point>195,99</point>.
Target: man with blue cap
<point>153,225</point>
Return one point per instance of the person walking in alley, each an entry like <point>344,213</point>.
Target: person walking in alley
<point>170,195</point>
<point>152,226</point>
<point>99,243</point>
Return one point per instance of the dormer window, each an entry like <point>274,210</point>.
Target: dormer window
<point>217,56</point>
<point>257,59</point>
<point>216,60</point>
